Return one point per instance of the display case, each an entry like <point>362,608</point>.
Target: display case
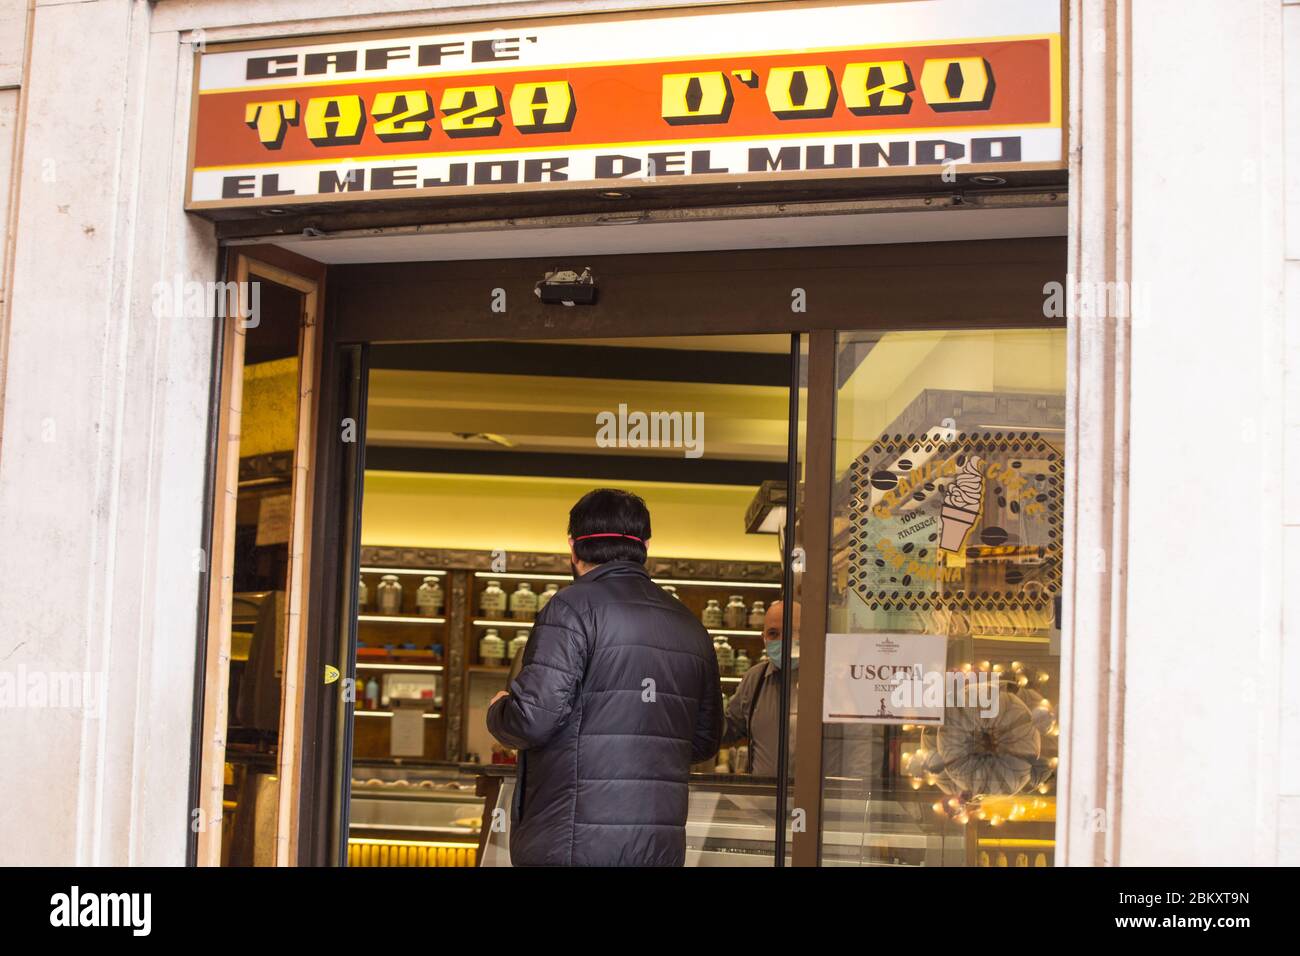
<point>414,815</point>
<point>731,821</point>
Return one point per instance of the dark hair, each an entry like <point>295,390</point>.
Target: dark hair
<point>609,511</point>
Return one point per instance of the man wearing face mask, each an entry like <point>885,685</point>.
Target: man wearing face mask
<point>754,711</point>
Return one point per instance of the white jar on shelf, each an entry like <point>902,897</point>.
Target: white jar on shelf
<point>726,656</point>
<point>757,615</point>
<point>363,594</point>
<point>523,603</point>
<point>390,594</point>
<point>491,649</point>
<point>517,645</point>
<point>734,615</point>
<point>545,597</point>
<point>428,598</point>
<point>493,601</point>
<point>711,616</point>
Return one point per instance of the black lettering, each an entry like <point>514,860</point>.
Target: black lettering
<point>340,61</point>
<point>1007,149</point>
<point>762,159</point>
<point>816,157</point>
<point>354,180</point>
<point>496,171</point>
<point>933,152</point>
<point>490,51</point>
<point>701,163</point>
<point>379,58</point>
<point>550,170</point>
<point>265,67</point>
<point>616,166</point>
<point>457,175</point>
<point>271,185</point>
<point>667,164</point>
<point>431,54</point>
<point>870,154</point>
<point>393,177</point>
<point>238,187</point>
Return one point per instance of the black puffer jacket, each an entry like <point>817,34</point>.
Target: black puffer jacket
<point>604,753</point>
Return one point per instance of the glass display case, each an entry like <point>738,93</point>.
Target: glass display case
<point>414,816</point>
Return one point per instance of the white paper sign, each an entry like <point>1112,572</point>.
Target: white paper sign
<point>407,730</point>
<point>273,516</point>
<point>863,670</point>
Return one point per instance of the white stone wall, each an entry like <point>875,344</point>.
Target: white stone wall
<point>103,457</point>
<point>1201,759</point>
<point>1288,793</point>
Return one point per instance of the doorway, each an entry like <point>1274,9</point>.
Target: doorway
<point>473,453</point>
<point>405,357</point>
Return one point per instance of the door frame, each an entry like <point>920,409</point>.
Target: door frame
<point>306,277</point>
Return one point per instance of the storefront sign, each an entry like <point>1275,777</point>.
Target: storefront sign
<point>715,94</point>
<point>865,672</point>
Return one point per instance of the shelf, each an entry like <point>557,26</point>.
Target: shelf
<point>422,668</point>
<point>399,619</point>
<point>739,585</point>
<point>519,576</point>
<point>488,669</point>
<point>388,713</point>
<point>481,622</point>
<point>731,680</point>
<point>428,572</point>
<point>724,632</point>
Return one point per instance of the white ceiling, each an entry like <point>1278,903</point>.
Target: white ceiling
<point>521,242</point>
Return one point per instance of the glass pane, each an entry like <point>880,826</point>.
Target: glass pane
<point>259,619</point>
<point>475,452</point>
<point>776,624</point>
<point>943,655</point>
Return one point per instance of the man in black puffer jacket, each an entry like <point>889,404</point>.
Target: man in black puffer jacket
<point>617,697</point>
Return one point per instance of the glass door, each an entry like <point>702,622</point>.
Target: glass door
<point>468,455</point>
<point>942,649</point>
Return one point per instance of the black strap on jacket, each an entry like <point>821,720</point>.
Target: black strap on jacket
<point>749,717</point>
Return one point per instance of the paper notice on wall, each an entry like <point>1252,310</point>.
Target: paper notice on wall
<point>885,678</point>
<point>407,732</point>
<point>273,514</point>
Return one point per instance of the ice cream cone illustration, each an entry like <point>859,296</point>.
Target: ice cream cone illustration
<point>963,499</point>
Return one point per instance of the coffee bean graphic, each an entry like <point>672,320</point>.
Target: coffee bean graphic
<point>884,480</point>
<point>993,536</point>
<point>907,579</point>
<point>1014,576</point>
<point>907,548</point>
<point>904,464</point>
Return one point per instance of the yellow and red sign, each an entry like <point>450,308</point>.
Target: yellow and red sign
<point>808,89</point>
